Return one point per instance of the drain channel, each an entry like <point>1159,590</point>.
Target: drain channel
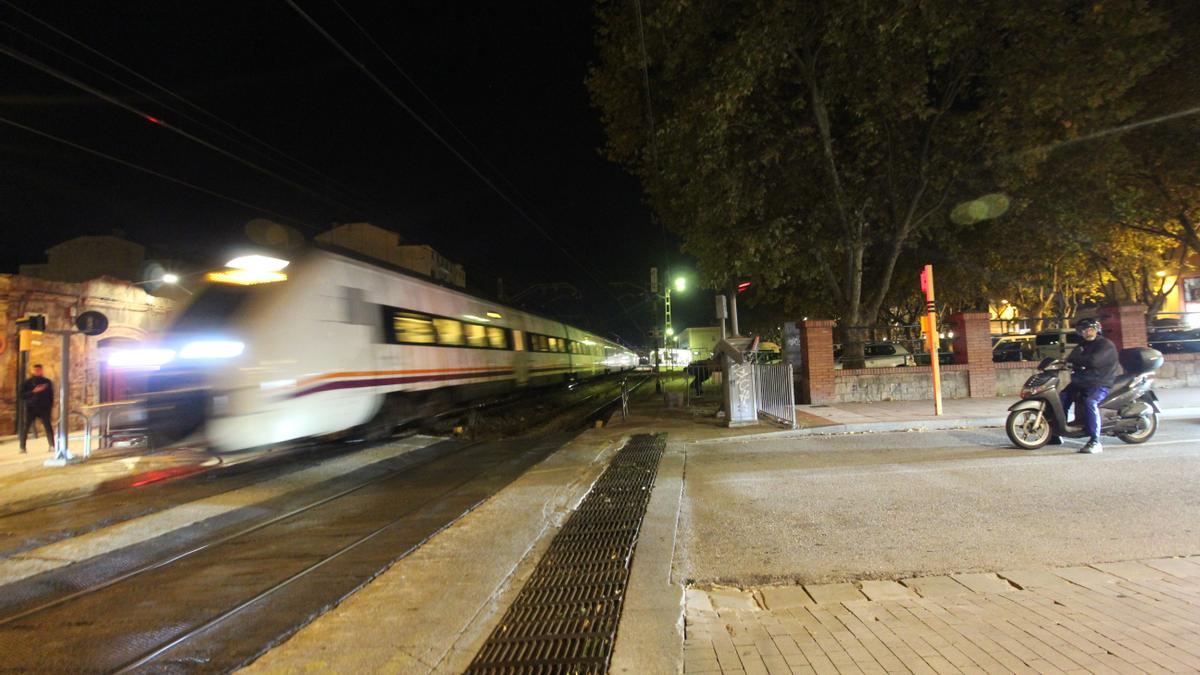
<point>565,618</point>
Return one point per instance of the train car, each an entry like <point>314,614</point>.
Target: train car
<point>335,343</point>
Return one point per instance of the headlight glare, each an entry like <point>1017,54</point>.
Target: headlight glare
<point>141,358</point>
<point>212,349</point>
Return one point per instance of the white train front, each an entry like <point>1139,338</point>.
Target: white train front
<point>334,343</point>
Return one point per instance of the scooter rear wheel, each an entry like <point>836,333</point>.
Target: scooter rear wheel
<point>1144,432</point>
<point>1024,431</point>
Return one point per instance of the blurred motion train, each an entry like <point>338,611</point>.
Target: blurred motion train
<point>271,351</point>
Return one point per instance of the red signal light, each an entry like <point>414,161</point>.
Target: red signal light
<point>743,287</point>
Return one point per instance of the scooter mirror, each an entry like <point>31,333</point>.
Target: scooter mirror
<point>1045,363</point>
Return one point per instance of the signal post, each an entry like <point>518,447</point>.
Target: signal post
<point>932,343</point>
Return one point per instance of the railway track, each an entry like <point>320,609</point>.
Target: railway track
<point>217,601</point>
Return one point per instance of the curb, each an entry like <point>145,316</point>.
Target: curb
<point>902,426</point>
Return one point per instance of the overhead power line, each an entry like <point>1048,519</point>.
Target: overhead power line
<point>38,65</point>
<point>263,145</point>
<point>453,150</point>
<point>138,167</point>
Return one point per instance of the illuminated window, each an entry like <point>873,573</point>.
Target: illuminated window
<point>449,331</point>
<point>476,335</point>
<point>412,328</point>
<point>554,345</point>
<point>496,337</point>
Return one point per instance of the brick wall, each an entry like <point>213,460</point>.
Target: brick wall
<point>1125,325</point>
<point>973,348</point>
<point>817,384</point>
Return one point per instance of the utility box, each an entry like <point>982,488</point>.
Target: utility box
<point>740,390</point>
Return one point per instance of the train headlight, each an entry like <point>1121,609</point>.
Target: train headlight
<point>141,358</point>
<point>212,349</point>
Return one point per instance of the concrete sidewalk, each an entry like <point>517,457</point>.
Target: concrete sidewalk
<point>956,413</point>
<point>25,480</point>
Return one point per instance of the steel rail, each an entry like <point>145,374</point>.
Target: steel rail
<point>149,656</point>
<point>202,547</point>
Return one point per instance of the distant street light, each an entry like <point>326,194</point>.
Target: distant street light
<point>680,284</point>
<point>1160,274</point>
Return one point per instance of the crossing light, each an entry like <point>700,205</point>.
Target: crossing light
<point>743,286</point>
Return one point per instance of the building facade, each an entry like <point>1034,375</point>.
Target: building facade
<point>387,246</point>
<point>91,257</point>
<point>133,315</point>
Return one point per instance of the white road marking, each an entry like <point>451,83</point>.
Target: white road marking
<point>138,530</point>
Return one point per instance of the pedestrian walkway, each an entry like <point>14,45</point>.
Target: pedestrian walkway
<point>1126,617</point>
<point>903,415</point>
<point>26,481</point>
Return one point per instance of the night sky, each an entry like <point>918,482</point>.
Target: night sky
<point>509,76</point>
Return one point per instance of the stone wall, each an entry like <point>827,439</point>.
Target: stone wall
<point>1179,370</point>
<point>898,384</point>
<point>132,314</point>
<point>1010,377</point>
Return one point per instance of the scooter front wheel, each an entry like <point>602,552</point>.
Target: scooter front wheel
<point>1026,430</point>
<point>1144,432</point>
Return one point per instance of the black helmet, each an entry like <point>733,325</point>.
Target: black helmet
<point>1081,324</point>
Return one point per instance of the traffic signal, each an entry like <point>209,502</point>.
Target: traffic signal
<point>35,322</point>
<point>743,286</point>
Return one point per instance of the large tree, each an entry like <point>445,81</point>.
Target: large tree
<point>811,143</point>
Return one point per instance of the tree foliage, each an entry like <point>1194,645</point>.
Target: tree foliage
<point>813,144</point>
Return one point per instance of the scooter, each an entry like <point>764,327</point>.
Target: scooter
<point>1129,412</point>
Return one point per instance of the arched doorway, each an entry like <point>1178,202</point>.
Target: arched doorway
<point>118,384</point>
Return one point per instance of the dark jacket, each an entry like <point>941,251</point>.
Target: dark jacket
<point>41,400</point>
<point>1096,363</point>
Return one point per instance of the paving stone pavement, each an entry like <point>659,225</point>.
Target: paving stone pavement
<point>1125,617</point>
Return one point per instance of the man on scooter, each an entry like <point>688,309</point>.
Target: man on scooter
<point>1095,369</point>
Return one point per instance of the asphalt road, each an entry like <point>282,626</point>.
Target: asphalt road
<point>887,506</point>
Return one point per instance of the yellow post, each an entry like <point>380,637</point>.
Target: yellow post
<point>931,336</point>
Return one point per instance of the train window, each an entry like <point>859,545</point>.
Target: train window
<point>497,337</point>
<point>449,331</point>
<point>542,344</point>
<point>518,341</point>
<point>476,334</point>
<point>554,346</point>
<point>411,328</point>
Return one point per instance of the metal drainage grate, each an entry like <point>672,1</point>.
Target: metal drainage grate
<point>565,618</point>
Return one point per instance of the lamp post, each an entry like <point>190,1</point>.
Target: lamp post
<point>680,285</point>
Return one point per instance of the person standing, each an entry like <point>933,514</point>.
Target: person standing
<point>1096,367</point>
<point>38,394</point>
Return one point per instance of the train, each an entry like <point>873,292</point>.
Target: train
<point>271,351</point>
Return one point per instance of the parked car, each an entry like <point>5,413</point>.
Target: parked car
<point>878,355</point>
<point>1176,340</point>
<point>1055,344</point>
<point>1007,348</point>
<point>945,358</point>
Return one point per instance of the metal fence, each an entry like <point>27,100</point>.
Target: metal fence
<point>776,392</point>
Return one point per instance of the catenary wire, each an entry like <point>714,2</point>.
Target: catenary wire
<point>38,65</point>
<point>385,211</point>
<point>246,134</point>
<point>450,147</point>
<point>438,109</point>
<point>138,167</point>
